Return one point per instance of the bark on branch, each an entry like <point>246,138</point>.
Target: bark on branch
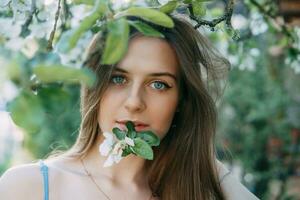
<point>212,23</point>
<point>50,41</point>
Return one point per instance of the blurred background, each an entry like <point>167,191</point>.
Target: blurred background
<point>258,134</point>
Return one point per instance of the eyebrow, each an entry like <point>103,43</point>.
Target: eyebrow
<point>151,74</point>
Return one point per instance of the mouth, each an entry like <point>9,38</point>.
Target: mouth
<point>139,126</point>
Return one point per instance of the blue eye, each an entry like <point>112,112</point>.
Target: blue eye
<point>118,79</point>
<point>159,85</point>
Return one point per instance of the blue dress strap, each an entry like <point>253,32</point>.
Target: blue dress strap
<point>44,171</point>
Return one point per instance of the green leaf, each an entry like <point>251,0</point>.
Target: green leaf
<point>119,134</point>
<point>149,137</point>
<point>148,14</point>
<point>145,29</point>
<point>199,9</point>
<point>168,7</point>
<point>27,111</point>
<point>143,149</point>
<point>132,134</point>
<point>127,151</point>
<point>130,126</point>
<point>87,2</point>
<point>131,130</point>
<point>87,23</point>
<point>84,26</point>
<point>116,42</point>
<point>14,70</point>
<point>55,73</point>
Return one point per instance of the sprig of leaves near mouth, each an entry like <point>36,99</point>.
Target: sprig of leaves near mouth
<point>143,141</point>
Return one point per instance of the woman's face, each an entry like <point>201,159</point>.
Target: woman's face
<point>143,88</point>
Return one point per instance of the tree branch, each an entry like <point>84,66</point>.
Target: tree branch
<point>25,29</point>
<point>8,3</point>
<point>50,41</point>
<point>226,17</point>
<point>269,15</point>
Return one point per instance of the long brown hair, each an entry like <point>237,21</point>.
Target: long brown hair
<point>184,164</point>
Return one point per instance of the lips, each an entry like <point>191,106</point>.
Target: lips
<point>135,122</point>
<point>138,125</point>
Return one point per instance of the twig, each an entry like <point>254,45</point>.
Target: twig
<point>50,41</point>
<point>262,9</point>
<point>25,29</point>
<point>269,15</point>
<point>65,14</point>
<point>8,3</point>
<point>226,17</point>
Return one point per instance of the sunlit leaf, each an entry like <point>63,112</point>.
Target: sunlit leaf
<point>199,9</point>
<point>88,22</point>
<point>116,42</point>
<point>59,73</point>
<point>145,29</point>
<point>143,149</point>
<point>168,7</point>
<point>150,15</point>
<point>149,137</point>
<point>87,2</point>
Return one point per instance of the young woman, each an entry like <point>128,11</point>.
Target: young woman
<point>162,85</point>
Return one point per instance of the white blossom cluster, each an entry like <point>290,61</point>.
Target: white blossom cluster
<point>113,148</point>
<point>40,28</point>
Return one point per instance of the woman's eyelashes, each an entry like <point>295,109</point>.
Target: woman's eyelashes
<point>118,79</point>
<point>157,84</point>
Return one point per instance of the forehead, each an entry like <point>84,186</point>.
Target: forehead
<point>148,55</point>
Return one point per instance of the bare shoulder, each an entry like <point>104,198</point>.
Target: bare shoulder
<point>231,186</point>
<point>25,179</point>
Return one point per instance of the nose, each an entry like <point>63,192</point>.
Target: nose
<point>135,101</point>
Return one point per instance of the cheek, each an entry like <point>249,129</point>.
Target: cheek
<point>107,110</point>
<point>162,115</point>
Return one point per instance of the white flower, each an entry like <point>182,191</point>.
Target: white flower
<point>112,159</point>
<point>113,148</point>
<point>129,141</point>
<point>108,143</point>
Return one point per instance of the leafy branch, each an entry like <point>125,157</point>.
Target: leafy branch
<point>49,46</point>
<point>226,17</point>
<point>272,17</point>
<point>25,30</point>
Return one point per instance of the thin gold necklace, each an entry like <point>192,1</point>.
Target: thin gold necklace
<point>95,183</point>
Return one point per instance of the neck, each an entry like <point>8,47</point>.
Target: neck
<point>130,170</point>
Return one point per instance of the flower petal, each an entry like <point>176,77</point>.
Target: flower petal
<point>117,147</point>
<point>129,141</point>
<point>108,135</point>
<point>117,158</point>
<point>109,161</point>
<point>105,148</point>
